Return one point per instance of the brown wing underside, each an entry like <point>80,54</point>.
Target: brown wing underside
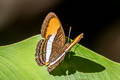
<point>60,36</point>
<point>59,40</point>
<point>41,52</point>
<point>57,45</point>
<point>57,53</point>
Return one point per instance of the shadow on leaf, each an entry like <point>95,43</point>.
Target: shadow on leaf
<point>72,63</point>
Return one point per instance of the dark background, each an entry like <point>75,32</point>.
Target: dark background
<point>98,20</point>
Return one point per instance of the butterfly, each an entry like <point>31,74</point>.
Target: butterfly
<point>52,48</point>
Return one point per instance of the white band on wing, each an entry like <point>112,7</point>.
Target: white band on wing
<point>57,59</point>
<point>49,47</point>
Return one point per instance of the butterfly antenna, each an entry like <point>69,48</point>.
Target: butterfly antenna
<point>69,34</point>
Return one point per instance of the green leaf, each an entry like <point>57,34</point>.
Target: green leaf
<point>17,62</point>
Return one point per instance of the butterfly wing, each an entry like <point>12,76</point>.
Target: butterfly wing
<point>54,27</point>
<point>40,52</point>
<point>57,53</point>
<point>50,27</point>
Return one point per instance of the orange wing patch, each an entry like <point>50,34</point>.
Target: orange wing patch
<point>53,26</point>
